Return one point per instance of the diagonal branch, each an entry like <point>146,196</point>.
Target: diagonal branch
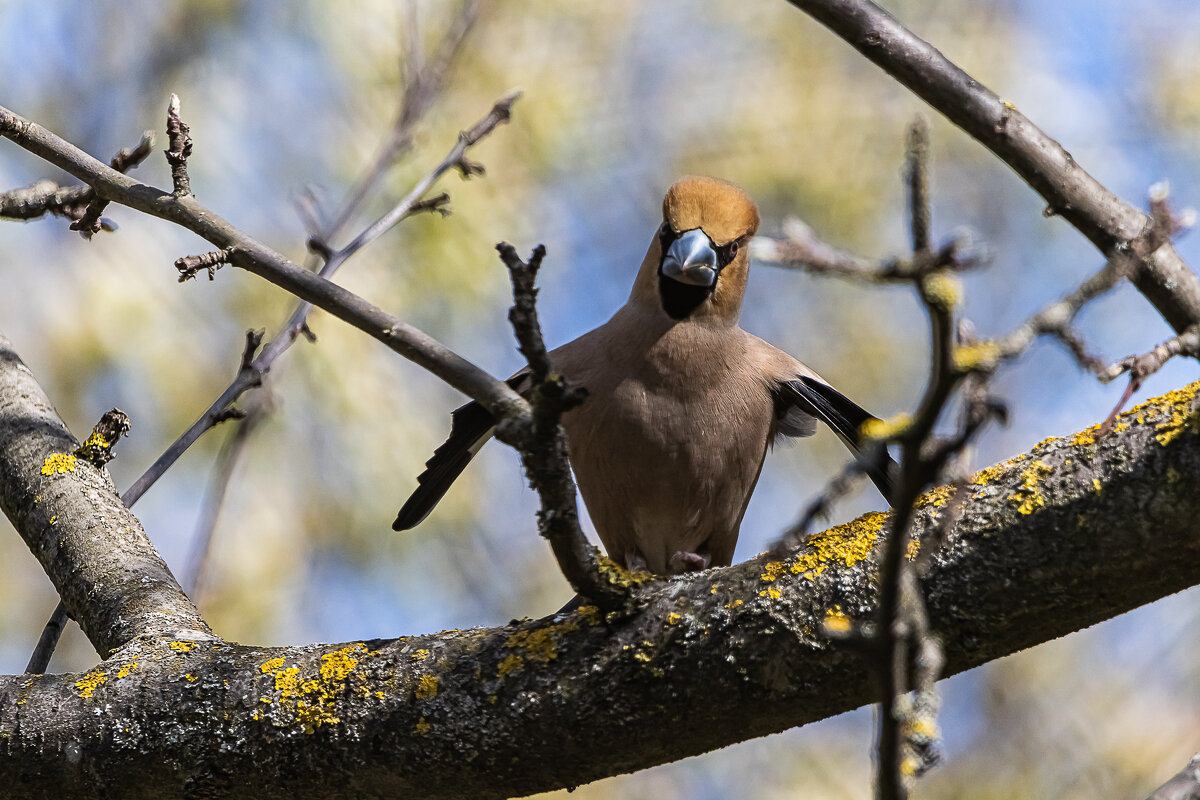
<point>1112,225</point>
<point>92,548</point>
<point>253,256</point>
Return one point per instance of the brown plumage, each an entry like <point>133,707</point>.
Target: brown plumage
<point>682,403</point>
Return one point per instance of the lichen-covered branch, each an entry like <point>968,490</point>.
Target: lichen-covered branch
<point>67,511</point>
<point>1085,528</point>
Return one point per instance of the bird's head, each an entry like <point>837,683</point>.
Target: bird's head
<point>698,262</point>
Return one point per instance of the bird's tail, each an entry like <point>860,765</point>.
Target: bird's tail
<point>473,425</point>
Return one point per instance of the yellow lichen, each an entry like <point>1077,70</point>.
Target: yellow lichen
<point>942,290</point>
<point>937,497</point>
<point>1029,496</point>
<point>1176,418</point>
<point>422,727</point>
<point>511,663</point>
<point>914,547</point>
<point>427,687</point>
<point>315,699</point>
<point>978,356</point>
<point>270,666</point>
<point>337,665</point>
<point>1096,485</point>
<point>771,571</point>
<point>590,614</point>
<point>190,678</point>
<point>846,544</point>
<point>541,644</point>
<point>673,618</point>
<point>617,575</point>
<point>836,620</point>
<point>885,428</point>
<point>89,683</point>
<point>96,440</point>
<point>772,593</point>
<point>734,603</point>
<point>58,463</point>
<point>182,647</point>
<point>990,474</point>
<point>921,726</point>
<point>421,654</point>
<point>124,671</point>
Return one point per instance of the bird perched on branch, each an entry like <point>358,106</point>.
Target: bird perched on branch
<point>682,404</point>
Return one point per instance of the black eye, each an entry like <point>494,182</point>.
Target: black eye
<point>666,234</point>
<point>733,249</point>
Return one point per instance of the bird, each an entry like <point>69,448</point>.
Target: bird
<point>681,404</point>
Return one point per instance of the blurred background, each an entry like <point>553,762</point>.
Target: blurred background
<point>621,97</point>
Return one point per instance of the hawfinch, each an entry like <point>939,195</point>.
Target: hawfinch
<point>682,404</point>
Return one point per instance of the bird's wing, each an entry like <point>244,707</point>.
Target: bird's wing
<point>471,427</point>
<point>799,400</point>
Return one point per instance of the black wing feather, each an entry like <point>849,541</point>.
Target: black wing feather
<point>470,428</point>
<point>471,423</point>
<point>843,416</point>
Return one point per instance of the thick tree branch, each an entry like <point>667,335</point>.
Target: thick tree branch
<point>1085,529</point>
<point>92,548</point>
<point>1114,226</point>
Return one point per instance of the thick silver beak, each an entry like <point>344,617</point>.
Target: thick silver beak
<point>691,259</point>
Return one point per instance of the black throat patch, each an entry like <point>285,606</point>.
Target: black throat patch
<point>679,300</point>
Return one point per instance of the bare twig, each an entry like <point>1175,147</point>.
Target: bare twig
<point>252,255</point>
<point>457,159</point>
<point>214,499</point>
<point>1143,366</point>
<point>850,477</point>
<point>802,249</point>
<point>180,149</point>
<point>543,446</point>
<point>424,80</point>
<point>76,203</point>
<point>212,261</point>
<point>1111,224</point>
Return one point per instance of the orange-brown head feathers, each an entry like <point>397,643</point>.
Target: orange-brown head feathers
<point>698,263</point>
<point>717,207</point>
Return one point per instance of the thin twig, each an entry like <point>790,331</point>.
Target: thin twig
<point>802,249</point>
<point>212,261</point>
<point>227,461</point>
<point>423,83</point>
<point>179,149</point>
<point>543,446</point>
<point>501,112</point>
<point>254,256</point>
<point>76,203</point>
<point>1111,224</point>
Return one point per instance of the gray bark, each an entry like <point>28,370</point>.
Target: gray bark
<point>1074,532</point>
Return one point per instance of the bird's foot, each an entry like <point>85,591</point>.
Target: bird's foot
<point>683,561</point>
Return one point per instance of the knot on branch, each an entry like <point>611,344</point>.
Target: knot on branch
<point>98,449</point>
<point>190,266</point>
